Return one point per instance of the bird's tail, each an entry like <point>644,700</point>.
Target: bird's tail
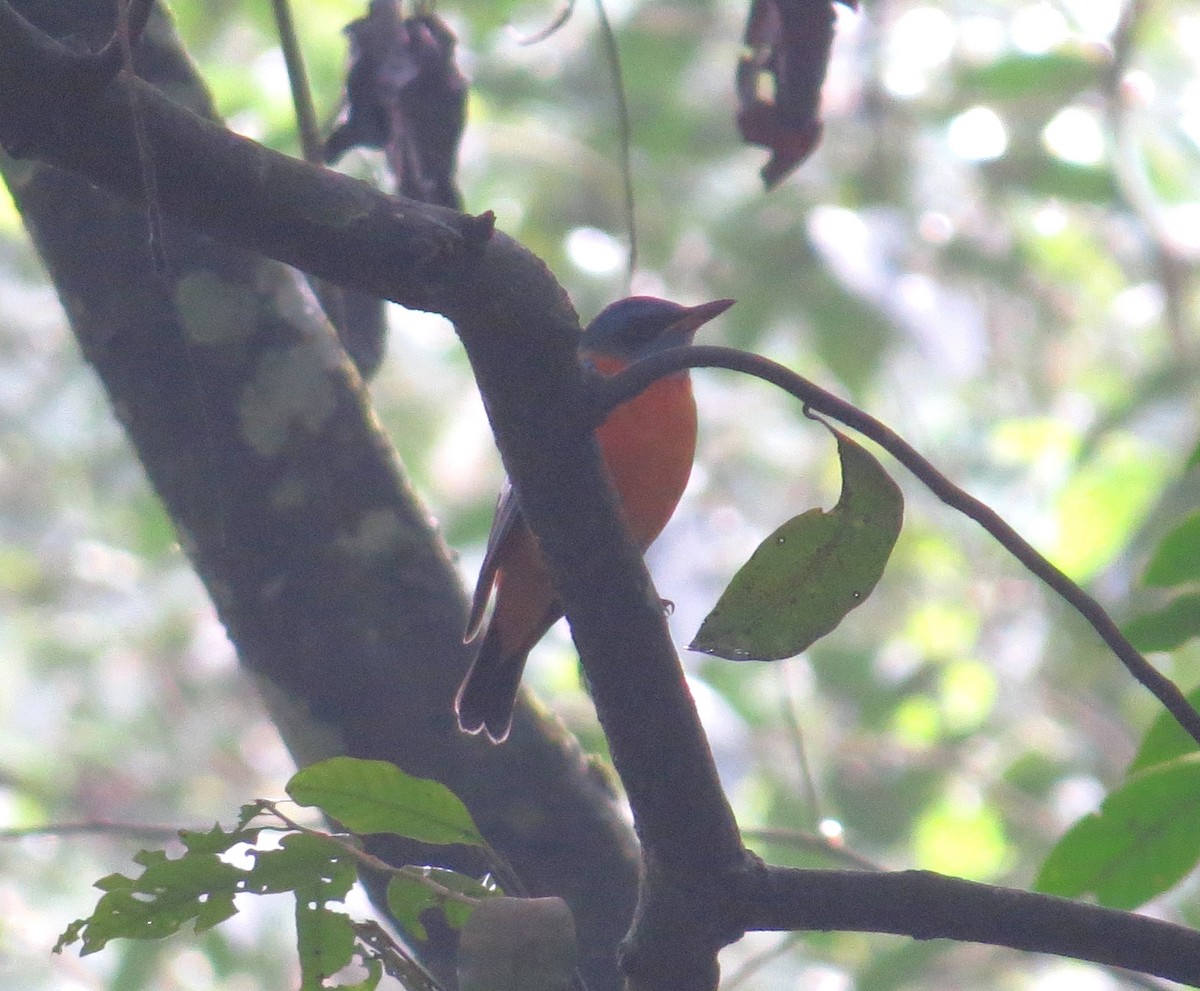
<point>488,694</point>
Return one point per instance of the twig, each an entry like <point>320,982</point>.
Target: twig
<point>439,891</point>
<point>624,132</point>
<point>103,827</point>
<point>813,842</point>
<point>561,16</point>
<point>608,393</point>
<point>1135,187</point>
<point>795,733</point>
<point>302,100</point>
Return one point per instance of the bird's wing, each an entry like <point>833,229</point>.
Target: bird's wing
<point>505,523</point>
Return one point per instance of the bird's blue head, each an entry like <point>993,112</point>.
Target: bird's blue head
<point>638,326</point>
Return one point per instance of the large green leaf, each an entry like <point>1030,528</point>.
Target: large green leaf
<point>1177,558</point>
<point>807,575</point>
<point>373,796</point>
<point>1164,741</point>
<point>1168,628</point>
<point>1142,842</point>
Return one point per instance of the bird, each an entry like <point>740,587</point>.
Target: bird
<point>647,444</point>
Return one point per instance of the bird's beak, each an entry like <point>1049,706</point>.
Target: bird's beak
<point>684,329</point>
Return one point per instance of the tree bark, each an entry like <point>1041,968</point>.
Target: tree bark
<point>338,593</point>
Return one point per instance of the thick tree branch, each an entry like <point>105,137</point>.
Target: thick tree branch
<point>520,335</point>
<point>925,905</point>
<point>340,597</point>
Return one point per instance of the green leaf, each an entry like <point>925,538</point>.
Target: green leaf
<point>1142,842</point>
<point>311,866</point>
<point>373,796</point>
<point>409,897</point>
<point>217,839</point>
<point>1177,558</point>
<point>317,872</point>
<point>197,887</point>
<point>1167,629</point>
<point>324,941</point>
<point>200,887</point>
<point>1164,741</point>
<point>807,575</point>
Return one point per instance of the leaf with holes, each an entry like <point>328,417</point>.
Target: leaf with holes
<point>197,887</point>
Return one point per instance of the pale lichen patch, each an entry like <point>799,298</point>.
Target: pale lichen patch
<point>292,388</point>
<point>290,493</point>
<point>215,311</point>
<point>377,533</point>
<point>293,298</point>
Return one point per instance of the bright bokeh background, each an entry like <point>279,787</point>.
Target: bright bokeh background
<point>993,251</point>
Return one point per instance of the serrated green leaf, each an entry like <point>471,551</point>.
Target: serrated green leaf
<point>409,897</point>
<point>216,840</point>
<point>1177,558</point>
<point>324,941</point>
<point>197,887</point>
<point>311,866</point>
<point>1164,741</point>
<point>807,575</point>
<point>373,796</point>
<point>249,812</point>
<point>1168,628</point>
<point>1142,842</point>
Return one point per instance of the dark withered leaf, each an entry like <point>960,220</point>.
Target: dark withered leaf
<point>406,95</point>
<point>779,80</point>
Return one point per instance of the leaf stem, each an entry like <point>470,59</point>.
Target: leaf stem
<point>413,873</point>
<point>302,100</point>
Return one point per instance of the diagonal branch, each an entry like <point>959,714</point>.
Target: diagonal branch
<point>610,393</point>
<point>520,335</point>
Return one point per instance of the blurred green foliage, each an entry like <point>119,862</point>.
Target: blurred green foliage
<point>993,251</point>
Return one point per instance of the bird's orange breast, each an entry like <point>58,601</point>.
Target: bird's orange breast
<point>648,445</point>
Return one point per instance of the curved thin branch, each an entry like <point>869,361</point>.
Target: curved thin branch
<point>925,905</point>
<point>624,131</point>
<point>608,393</point>
<point>1134,185</point>
<point>99,827</point>
<point>561,16</point>
<point>302,98</point>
